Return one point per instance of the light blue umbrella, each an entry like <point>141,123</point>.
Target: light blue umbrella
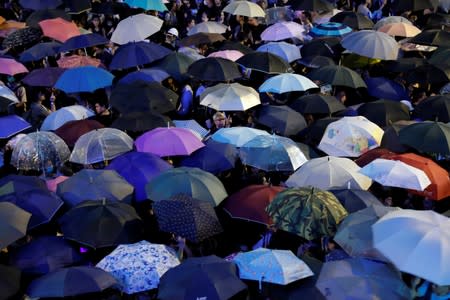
<point>157,5</point>
<point>237,136</point>
<point>287,82</point>
<point>272,153</point>
<point>84,79</point>
<point>330,29</point>
<point>289,52</point>
<point>274,266</point>
<point>65,114</point>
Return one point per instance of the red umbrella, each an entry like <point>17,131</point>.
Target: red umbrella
<point>440,180</point>
<point>59,29</point>
<point>250,203</point>
<point>75,61</point>
<point>373,154</point>
<point>11,67</point>
<point>71,131</point>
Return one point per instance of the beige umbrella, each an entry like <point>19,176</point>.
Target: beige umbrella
<point>400,29</point>
<point>208,27</point>
<point>136,28</point>
<point>230,97</point>
<point>245,8</point>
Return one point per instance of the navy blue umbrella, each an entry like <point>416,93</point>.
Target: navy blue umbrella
<point>45,254</point>
<point>71,282</point>
<point>137,54</point>
<point>40,4</point>
<point>146,75</point>
<point>39,51</point>
<point>83,41</point>
<point>44,77</point>
<point>44,14</point>
<point>12,124</point>
<point>215,157</point>
<point>381,87</point>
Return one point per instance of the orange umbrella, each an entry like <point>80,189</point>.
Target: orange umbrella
<point>400,29</point>
<point>11,24</point>
<point>59,29</point>
<point>440,180</point>
<point>2,20</point>
<point>75,61</point>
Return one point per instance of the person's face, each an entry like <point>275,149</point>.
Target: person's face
<point>41,96</point>
<point>204,17</point>
<point>252,22</point>
<point>218,2</point>
<point>191,23</point>
<point>99,108</point>
<point>220,122</point>
<point>95,21</point>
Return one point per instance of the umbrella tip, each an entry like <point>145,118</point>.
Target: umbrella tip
<point>103,201</point>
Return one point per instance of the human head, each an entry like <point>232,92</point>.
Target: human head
<point>220,120</point>
<point>100,107</point>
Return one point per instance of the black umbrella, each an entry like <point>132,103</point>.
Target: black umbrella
<point>353,20</point>
<point>44,14</point>
<point>13,223</point>
<point>39,51</point>
<point>83,41</point>
<point>283,120</point>
<point>384,112</point>
<point>71,281</point>
<point>314,132</point>
<point>44,77</point>
<point>5,104</point>
<point>429,74</point>
<point>432,37</point>
<point>140,96</point>
<point>229,45</point>
<point>434,108</point>
<point>40,4</point>
<point>45,254</point>
<point>176,64</point>
<point>311,5</point>
<point>329,47</point>
<point>337,75</point>
<point>354,200</point>
<point>109,8</point>
<point>77,6</point>
<point>264,62</point>
<point>22,37</point>
<point>208,277</point>
<point>317,61</point>
<point>100,224</point>
<point>137,54</point>
<point>413,5</point>
<point>440,56</point>
<point>9,281</point>
<point>201,38</point>
<point>390,139</point>
<point>141,121</point>
<point>436,20</point>
<point>317,104</point>
<point>434,137</point>
<point>403,64</point>
<point>214,69</point>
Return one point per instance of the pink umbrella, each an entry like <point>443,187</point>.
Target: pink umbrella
<point>170,141</point>
<point>52,184</point>
<point>11,67</point>
<point>282,30</point>
<point>227,54</point>
<point>75,61</point>
<point>59,29</point>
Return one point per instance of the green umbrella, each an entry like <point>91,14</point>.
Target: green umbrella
<point>434,137</point>
<point>308,212</point>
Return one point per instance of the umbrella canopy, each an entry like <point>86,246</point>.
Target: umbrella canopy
<point>229,97</point>
<point>237,136</point>
<point>359,277</point>
<point>397,174</point>
<point>201,38</point>
<point>274,266</point>
<point>250,203</point>
<point>312,5</point>
<point>412,5</point>
<point>244,8</point>
<point>136,28</point>
<point>138,267</point>
<point>384,112</point>
<point>282,119</point>
<point>40,51</point>
<point>314,132</point>
<point>435,137</point>
<point>286,51</point>
<point>434,108</point>
<point>214,69</point>
<point>100,224</point>
<point>440,56</point>
<point>232,55</point>
<point>45,254</point>
<point>208,27</point>
<point>265,62</point>
<point>39,151</point>
<point>373,44</point>
<point>354,199</point>
<point>72,130</point>
<point>391,19</point>
<point>272,153</point>
<point>192,125</point>
<point>287,82</point>
<point>194,182</point>
<point>65,114</point>
<point>316,61</point>
<point>329,173</point>
<point>75,61</point>
<point>97,185</point>
<point>141,96</point>
<point>136,54</point>
<point>308,212</point>
<point>197,277</point>
<point>100,145</point>
<point>187,217</point>
<point>84,79</point>
<point>14,223</point>
<point>45,14</point>
<point>147,75</point>
<point>429,74</point>
<point>324,46</point>
<point>353,20</point>
<point>355,236</point>
<point>11,125</point>
<point>83,41</point>
<point>282,30</point>
<point>383,88</point>
<point>400,29</point>
<point>140,121</point>
<point>390,138</point>
<point>350,136</point>
<point>157,5</point>
<point>138,168</point>
<point>37,5</point>
<point>330,29</point>
<point>43,77</point>
<point>176,64</point>
<point>10,281</point>
<point>337,75</point>
<point>432,37</point>
<point>415,242</point>
<point>403,64</point>
<point>5,92</point>
<point>11,67</point>
<point>59,29</point>
<point>71,282</point>
<point>178,141</point>
<point>317,104</point>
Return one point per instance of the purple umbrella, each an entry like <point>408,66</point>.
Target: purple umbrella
<point>12,124</point>
<point>138,168</point>
<point>45,77</point>
<point>381,87</point>
<point>169,141</point>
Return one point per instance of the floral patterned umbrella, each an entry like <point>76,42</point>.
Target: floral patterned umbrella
<point>138,267</point>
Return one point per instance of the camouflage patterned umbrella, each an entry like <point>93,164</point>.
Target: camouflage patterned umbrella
<point>308,212</point>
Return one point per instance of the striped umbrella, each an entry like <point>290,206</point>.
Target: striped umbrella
<point>330,29</point>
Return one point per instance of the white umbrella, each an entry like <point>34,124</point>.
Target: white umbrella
<point>208,27</point>
<point>287,82</point>
<point>329,172</point>
<point>373,44</point>
<point>397,174</point>
<point>7,93</point>
<point>286,51</point>
<point>230,97</point>
<point>65,114</point>
<point>391,19</point>
<point>136,28</point>
<point>282,30</point>
<point>244,8</point>
<point>416,242</point>
<point>350,136</point>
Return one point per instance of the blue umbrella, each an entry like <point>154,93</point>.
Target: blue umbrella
<point>83,41</point>
<point>39,51</point>
<point>136,54</point>
<point>157,5</point>
<point>288,52</point>
<point>138,168</point>
<point>237,136</point>
<point>381,87</point>
<point>84,79</point>
<point>12,124</point>
<point>330,29</point>
<point>40,4</point>
<point>146,75</point>
<point>44,77</point>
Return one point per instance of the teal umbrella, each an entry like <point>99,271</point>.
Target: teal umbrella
<point>157,5</point>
